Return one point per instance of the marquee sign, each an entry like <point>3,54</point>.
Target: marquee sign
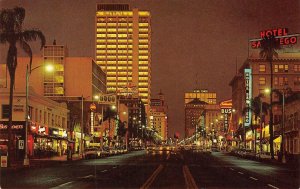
<point>248,85</point>
<point>280,34</point>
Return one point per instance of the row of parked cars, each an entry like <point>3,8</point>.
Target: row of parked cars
<point>245,153</point>
<point>94,152</point>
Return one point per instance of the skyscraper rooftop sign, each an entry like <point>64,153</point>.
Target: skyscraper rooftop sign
<point>280,34</point>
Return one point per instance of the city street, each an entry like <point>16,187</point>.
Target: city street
<point>154,169</point>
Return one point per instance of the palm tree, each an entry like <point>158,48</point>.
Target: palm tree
<point>108,115</point>
<point>12,33</point>
<point>257,107</point>
<point>269,45</point>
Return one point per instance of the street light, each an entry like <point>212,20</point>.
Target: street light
<point>48,68</point>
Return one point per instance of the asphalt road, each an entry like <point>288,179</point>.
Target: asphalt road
<point>141,169</point>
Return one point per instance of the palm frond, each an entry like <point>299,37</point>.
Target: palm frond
<point>4,38</point>
<point>19,13</point>
<point>7,20</point>
<point>268,47</point>
<point>33,35</point>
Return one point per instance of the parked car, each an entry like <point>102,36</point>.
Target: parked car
<point>92,153</point>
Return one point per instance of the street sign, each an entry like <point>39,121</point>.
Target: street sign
<point>21,144</point>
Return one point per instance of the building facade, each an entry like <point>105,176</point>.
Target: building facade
<point>158,117</point>
<point>292,127</point>
<point>54,82</point>
<point>202,94</point>
<point>286,75</point>
<point>47,131</point>
<point>123,48</point>
<point>193,112</point>
<point>74,80</point>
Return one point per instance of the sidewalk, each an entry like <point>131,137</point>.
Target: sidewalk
<point>264,158</point>
<point>58,158</point>
<point>44,162</point>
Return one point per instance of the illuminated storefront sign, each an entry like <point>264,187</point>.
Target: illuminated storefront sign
<point>2,126</point>
<point>226,113</point>
<point>248,85</point>
<point>92,122</point>
<point>280,33</point>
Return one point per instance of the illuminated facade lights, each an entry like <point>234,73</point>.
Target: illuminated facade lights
<point>123,48</point>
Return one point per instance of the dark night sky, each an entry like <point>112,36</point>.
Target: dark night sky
<point>190,37</point>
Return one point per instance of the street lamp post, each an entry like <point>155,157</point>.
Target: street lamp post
<point>81,133</point>
<point>26,160</point>
<point>282,129</point>
<point>260,134</point>
<point>28,72</point>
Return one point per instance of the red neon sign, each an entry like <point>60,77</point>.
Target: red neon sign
<point>278,32</point>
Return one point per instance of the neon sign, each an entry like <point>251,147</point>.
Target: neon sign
<point>248,85</point>
<point>280,34</point>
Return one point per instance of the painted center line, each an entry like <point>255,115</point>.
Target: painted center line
<point>114,167</point>
<point>151,179</point>
<point>241,173</point>
<point>231,169</point>
<point>88,176</point>
<point>253,178</point>
<point>104,171</point>
<point>189,180</point>
<point>273,186</point>
<point>62,185</point>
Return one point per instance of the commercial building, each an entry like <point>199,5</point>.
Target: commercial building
<point>74,80</point>
<point>47,131</point>
<point>202,94</point>
<point>123,48</point>
<point>194,111</point>
<point>201,112</point>
<point>158,117</point>
<point>254,75</point>
<point>136,115</point>
<point>292,127</point>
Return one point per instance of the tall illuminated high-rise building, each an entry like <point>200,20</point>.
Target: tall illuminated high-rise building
<point>123,48</point>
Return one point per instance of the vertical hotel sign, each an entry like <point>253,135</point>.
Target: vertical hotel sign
<point>248,85</point>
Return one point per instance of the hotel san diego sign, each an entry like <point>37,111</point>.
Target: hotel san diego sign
<point>248,88</point>
<point>280,34</point>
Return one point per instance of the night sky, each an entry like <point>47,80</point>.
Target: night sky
<point>190,37</point>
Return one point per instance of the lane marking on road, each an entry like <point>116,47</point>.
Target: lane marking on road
<point>88,176</point>
<point>231,169</point>
<point>114,167</point>
<point>189,180</point>
<point>104,171</point>
<point>62,185</point>
<point>151,179</point>
<point>273,186</point>
<point>253,178</point>
<point>241,173</point>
